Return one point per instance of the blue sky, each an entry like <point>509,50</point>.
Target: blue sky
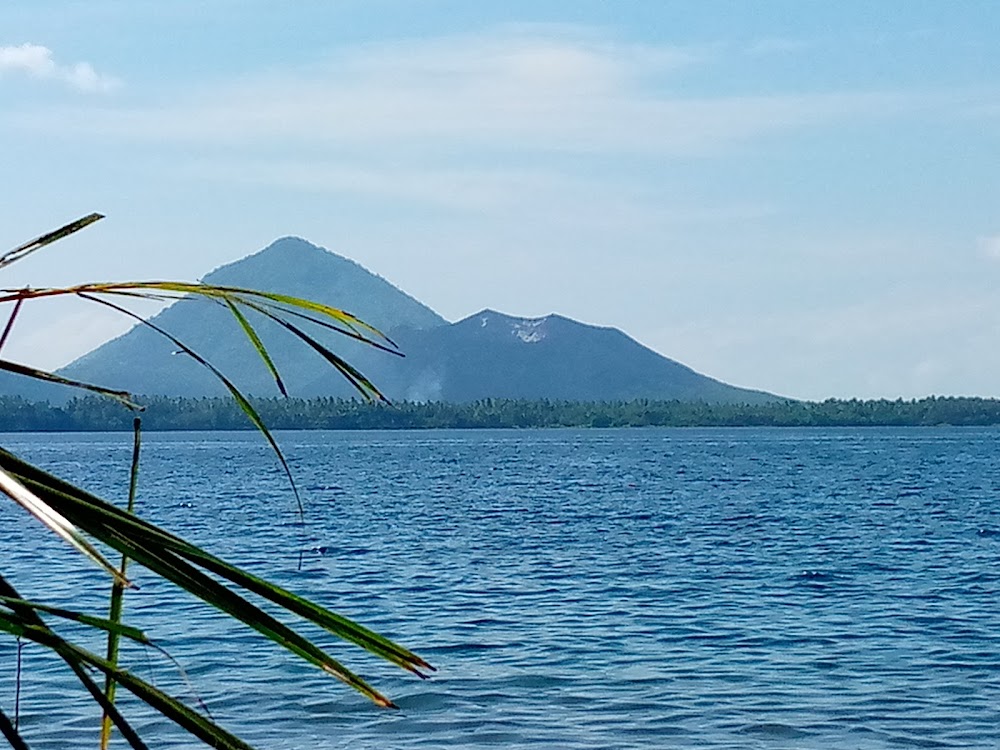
<point>796,196</point>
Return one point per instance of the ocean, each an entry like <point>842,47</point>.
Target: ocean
<point>645,588</point>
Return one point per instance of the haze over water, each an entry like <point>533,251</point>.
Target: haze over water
<point>742,588</point>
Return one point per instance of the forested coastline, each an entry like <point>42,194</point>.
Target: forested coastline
<point>162,413</point>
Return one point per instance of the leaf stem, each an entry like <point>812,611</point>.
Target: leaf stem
<point>118,591</point>
<point>17,684</point>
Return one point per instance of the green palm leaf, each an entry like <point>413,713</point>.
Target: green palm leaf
<point>100,623</point>
<point>258,345</point>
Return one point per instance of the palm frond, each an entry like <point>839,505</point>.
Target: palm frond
<point>174,559</point>
<point>351,324</point>
<point>31,617</point>
<point>238,397</point>
<point>204,729</point>
<point>79,517</point>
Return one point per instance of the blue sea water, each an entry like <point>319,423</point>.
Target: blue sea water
<point>723,588</point>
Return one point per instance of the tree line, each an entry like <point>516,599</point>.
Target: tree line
<point>93,413</point>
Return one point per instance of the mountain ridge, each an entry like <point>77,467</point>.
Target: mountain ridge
<point>495,355</point>
<point>488,354</point>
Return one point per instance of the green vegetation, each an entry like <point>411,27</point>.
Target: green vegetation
<point>96,414</point>
<point>93,526</point>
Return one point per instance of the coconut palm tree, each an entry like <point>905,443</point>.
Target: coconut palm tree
<point>91,524</point>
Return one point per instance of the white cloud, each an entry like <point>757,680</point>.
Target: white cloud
<point>509,90</point>
<point>28,58</point>
<point>37,61</point>
<point>498,191</point>
<point>551,58</point>
<point>990,246</point>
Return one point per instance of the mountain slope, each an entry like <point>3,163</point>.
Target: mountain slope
<point>142,361</point>
<point>492,355</point>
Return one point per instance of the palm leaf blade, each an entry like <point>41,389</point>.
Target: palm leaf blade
<point>10,733</point>
<point>31,372</point>
<point>47,239</point>
<point>101,623</point>
<point>258,345</point>
<point>55,521</point>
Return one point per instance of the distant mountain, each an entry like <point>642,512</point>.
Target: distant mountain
<point>486,355</point>
<point>490,354</point>
<point>142,361</point>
